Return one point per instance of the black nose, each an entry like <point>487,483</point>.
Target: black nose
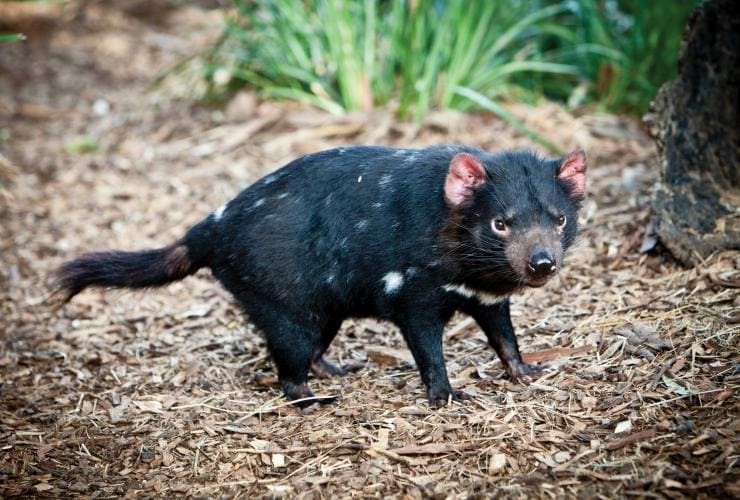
<point>541,264</point>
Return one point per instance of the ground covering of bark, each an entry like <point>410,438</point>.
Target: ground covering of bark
<point>170,392</point>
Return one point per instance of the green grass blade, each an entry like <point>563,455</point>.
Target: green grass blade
<point>13,37</point>
<point>495,108</point>
<point>522,25</point>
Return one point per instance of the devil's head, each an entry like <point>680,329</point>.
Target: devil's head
<point>513,215</point>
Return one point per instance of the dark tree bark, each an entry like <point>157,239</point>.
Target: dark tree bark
<point>696,123</point>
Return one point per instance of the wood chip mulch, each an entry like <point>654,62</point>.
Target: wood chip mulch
<point>170,392</point>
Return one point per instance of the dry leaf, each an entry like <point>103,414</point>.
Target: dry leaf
<point>498,462</point>
<point>387,355</point>
<point>589,402</point>
<point>149,406</point>
<point>278,460</point>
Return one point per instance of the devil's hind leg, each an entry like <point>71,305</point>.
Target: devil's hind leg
<point>292,344</point>
<point>320,366</point>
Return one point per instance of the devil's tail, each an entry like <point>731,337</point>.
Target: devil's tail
<point>148,268</point>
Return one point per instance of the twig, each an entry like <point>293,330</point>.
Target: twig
<point>631,439</point>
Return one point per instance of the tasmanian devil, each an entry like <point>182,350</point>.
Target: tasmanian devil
<point>406,235</point>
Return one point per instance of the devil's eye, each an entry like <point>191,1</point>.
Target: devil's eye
<point>499,225</point>
<point>561,221</point>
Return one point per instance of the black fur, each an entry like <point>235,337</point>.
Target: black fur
<point>363,231</point>
<point>145,269</point>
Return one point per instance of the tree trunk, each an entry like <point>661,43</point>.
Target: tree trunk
<point>696,123</point>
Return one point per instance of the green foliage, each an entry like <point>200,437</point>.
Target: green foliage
<point>354,54</point>
<point>346,55</point>
<point>14,37</point>
<point>81,145</point>
<point>625,50</point>
<point>11,37</point>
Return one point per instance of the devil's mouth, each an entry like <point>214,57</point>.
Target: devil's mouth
<point>533,282</point>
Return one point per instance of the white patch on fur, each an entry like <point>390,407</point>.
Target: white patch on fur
<point>259,203</point>
<point>341,151</point>
<point>412,157</point>
<point>377,205</point>
<point>386,179</point>
<point>282,195</point>
<point>219,213</point>
<point>359,179</point>
<point>485,298</point>
<point>411,271</point>
<point>460,290</point>
<point>343,242</point>
<point>330,279</point>
<point>361,225</point>
<point>400,152</point>
<point>393,281</point>
<point>269,179</point>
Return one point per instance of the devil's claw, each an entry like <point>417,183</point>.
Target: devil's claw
<point>525,373</point>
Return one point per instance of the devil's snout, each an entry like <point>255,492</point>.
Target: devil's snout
<point>542,263</point>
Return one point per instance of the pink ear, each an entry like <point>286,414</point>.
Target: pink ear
<point>573,170</point>
<point>465,172</point>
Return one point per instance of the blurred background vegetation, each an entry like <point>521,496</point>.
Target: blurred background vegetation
<point>344,55</point>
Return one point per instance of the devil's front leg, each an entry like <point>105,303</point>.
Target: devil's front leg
<point>495,321</point>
